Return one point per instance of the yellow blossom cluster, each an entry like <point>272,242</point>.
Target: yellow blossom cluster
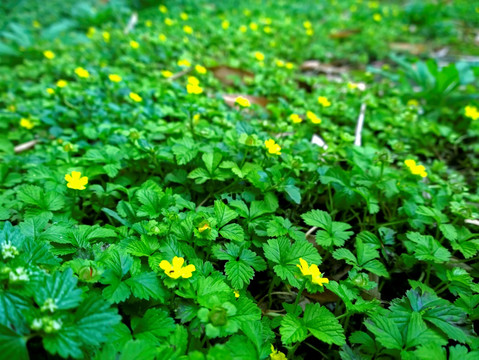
<point>415,168</point>
<point>273,147</point>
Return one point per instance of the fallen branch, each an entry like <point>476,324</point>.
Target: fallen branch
<point>25,146</point>
<point>179,74</point>
<point>131,23</point>
<point>359,126</point>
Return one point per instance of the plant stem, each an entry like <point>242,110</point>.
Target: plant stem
<point>299,296</point>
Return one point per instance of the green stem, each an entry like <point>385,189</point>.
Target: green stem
<point>299,296</point>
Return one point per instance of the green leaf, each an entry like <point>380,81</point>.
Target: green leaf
<point>345,254</point>
<point>427,248</point>
<point>239,268</point>
<point>11,308</point>
<point>61,287</point>
<point>94,320</point>
<point>232,232</point>
<point>287,255</point>
<point>292,329</point>
<point>334,232</point>
<point>323,324</point>
<point>185,150</point>
<point>138,350</point>
<point>386,331</point>
<point>154,324</point>
<point>294,193</point>
<point>223,213</point>
<point>12,345</point>
<point>145,285</point>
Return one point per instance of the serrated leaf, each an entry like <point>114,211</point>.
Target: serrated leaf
<point>12,345</point>
<point>145,285</point>
<point>154,324</point>
<point>334,232</point>
<point>323,324</point>
<point>61,287</point>
<point>287,255</point>
<point>292,329</point>
<point>232,232</point>
<point>223,213</point>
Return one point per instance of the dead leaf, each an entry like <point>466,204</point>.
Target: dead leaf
<point>258,100</point>
<point>414,49</point>
<point>227,74</point>
<point>343,34</point>
<point>332,72</point>
<point>325,297</point>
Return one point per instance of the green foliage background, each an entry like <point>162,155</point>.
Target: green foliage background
<point>79,269</point>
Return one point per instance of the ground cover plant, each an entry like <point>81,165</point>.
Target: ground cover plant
<point>223,180</point>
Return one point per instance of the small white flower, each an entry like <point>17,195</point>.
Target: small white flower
<point>8,250</point>
<point>49,305</point>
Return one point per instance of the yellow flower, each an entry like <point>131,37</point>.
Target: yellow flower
<point>253,26</point>
<point>279,63</point>
<point>194,89</point>
<point>313,118</point>
<point>106,36</point>
<point>61,83</point>
<point>134,44</point>
<point>267,21</point>
<point>259,56</point>
<point>50,91</point>
<point>193,80</point>
<point>312,270</point>
<point>184,16</point>
<point>166,73</point>
<point>76,181</point>
<point>49,54</point>
<point>204,227</point>
<point>169,22</point>
<point>148,23</point>
<point>200,69</point>
<point>242,101</point>
<point>289,65</point>
<point>237,294</point>
<point>114,78</point>
<point>272,147</point>
<point>184,62</point>
<point>295,118</point>
<point>81,72</point>
<point>471,112</point>
<point>91,31</point>
<point>243,28</point>
<point>176,270</point>
<point>276,354</point>
<point>324,101</point>
<point>188,29</point>
<point>415,168</point>
<point>413,102</point>
<point>162,37</point>
<point>135,97</point>
<point>225,24</point>
<point>309,32</point>
<point>36,24</point>
<point>307,24</point>
<point>196,118</point>
<point>163,9</point>
<point>377,17</point>
<point>27,124</point>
